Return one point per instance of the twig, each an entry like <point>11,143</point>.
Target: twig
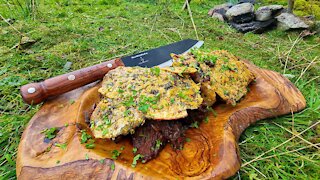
<point>190,14</point>
<point>288,53</point>
<point>311,80</point>
<point>302,73</point>
<point>185,5</point>
<point>11,25</point>
<point>258,157</point>
<point>297,136</point>
<point>287,152</point>
<point>258,171</point>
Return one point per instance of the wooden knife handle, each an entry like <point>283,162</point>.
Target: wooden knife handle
<point>35,93</point>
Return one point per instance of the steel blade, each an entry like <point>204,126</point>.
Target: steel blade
<point>160,56</point>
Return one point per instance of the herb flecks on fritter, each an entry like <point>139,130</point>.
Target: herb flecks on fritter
<point>132,94</point>
<point>219,72</point>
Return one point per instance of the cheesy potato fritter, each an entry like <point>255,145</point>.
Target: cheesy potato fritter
<point>132,94</point>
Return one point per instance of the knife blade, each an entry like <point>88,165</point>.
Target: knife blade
<point>35,93</point>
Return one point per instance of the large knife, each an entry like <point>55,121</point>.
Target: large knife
<point>35,93</point>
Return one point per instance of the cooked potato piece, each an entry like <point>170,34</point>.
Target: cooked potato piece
<point>219,72</point>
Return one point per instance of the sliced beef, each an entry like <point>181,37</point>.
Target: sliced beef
<point>150,138</point>
<point>145,139</point>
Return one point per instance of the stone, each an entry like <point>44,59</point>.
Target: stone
<point>273,8</point>
<point>241,13</point>
<point>221,9</point>
<point>288,21</point>
<point>265,13</point>
<point>256,27</point>
<point>218,16</point>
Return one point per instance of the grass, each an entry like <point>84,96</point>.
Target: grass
<point>89,32</point>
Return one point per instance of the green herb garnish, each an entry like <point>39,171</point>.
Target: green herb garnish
<point>206,120</point>
<point>155,71</point>
<point>112,167</point>
<point>50,133</point>
<point>134,150</point>
<point>158,144</point>
<point>62,146</point>
<point>135,160</point>
<point>194,124</point>
<point>84,137</point>
<point>115,154</point>
<point>90,144</point>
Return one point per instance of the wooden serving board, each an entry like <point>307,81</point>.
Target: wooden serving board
<point>212,152</point>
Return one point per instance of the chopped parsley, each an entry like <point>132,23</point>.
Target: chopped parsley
<point>58,162</point>
<point>172,100</point>
<point>115,154</point>
<point>126,113</point>
<point>211,110</point>
<point>90,144</point>
<point>105,131</point>
<point>130,102</point>
<point>134,150</point>
<point>158,144</point>
<point>206,120</point>
<point>50,133</point>
<point>62,145</point>
<point>180,94</point>
<point>71,101</point>
<point>87,156</point>
<point>102,161</point>
<point>66,124</point>
<point>112,167</point>
<point>122,148</point>
<point>194,124</point>
<point>84,137</point>
<point>188,140</point>
<point>155,71</point>
<point>144,108</point>
<point>135,160</point>
<point>120,91</point>
<point>106,120</point>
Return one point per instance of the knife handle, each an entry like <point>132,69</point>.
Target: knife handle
<point>35,93</point>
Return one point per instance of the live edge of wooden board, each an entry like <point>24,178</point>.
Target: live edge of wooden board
<point>212,152</point>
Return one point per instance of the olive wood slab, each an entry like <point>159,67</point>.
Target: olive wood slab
<point>212,152</point>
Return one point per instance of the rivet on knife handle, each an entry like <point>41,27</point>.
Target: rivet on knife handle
<point>35,93</point>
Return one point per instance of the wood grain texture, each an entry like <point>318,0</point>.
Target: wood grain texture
<point>212,152</point>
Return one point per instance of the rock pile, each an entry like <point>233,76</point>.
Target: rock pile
<point>243,17</point>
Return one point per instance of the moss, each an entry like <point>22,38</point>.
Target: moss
<point>301,7</point>
<point>305,7</point>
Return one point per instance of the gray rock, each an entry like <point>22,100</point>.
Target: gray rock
<point>273,8</point>
<point>241,13</point>
<point>256,27</point>
<point>263,14</point>
<point>287,21</point>
<point>221,9</point>
<point>218,16</point>
<point>239,9</point>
